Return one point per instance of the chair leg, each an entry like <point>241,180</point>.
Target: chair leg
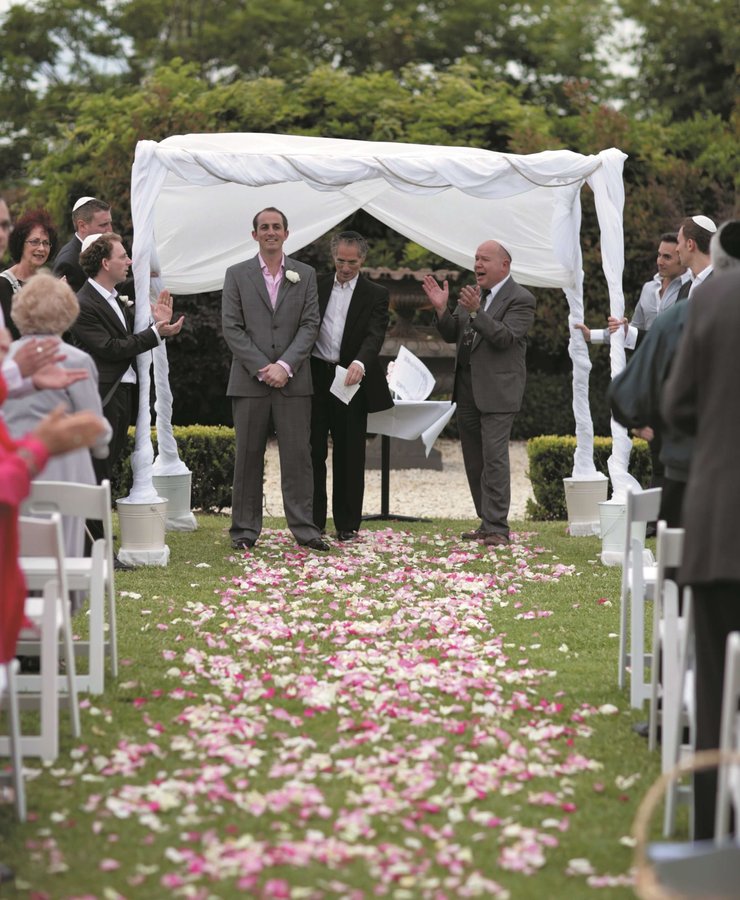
<point>622,641</point>
<point>16,755</point>
<point>112,631</point>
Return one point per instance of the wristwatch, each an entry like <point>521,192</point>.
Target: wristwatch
<point>473,313</point>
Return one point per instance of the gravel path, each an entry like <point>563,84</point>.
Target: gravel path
<point>420,492</point>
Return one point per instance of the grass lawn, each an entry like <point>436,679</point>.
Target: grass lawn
<point>407,717</point>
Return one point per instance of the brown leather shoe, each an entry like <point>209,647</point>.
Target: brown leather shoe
<point>477,535</point>
<point>495,539</point>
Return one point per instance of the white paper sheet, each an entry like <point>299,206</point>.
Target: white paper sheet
<point>340,389</point>
<point>410,379</point>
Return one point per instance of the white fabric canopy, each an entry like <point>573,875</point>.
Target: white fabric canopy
<point>193,198</point>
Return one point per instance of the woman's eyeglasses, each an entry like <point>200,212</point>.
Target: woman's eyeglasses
<point>37,242</point>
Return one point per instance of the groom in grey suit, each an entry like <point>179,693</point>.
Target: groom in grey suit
<point>270,317</point>
<point>489,323</point>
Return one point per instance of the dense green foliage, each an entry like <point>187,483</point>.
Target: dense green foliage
<point>551,460</point>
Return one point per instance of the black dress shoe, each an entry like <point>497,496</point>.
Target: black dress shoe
<point>29,665</point>
<point>316,544</point>
<point>642,728</point>
<point>243,543</point>
<point>120,566</point>
<point>6,874</point>
<point>476,535</point>
<point>347,535</point>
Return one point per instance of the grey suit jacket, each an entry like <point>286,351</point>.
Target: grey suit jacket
<point>498,354</point>
<point>702,397</point>
<point>258,335</point>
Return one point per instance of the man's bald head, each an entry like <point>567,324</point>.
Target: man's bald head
<point>492,264</point>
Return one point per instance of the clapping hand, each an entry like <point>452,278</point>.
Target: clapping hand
<point>438,295</point>
<point>162,313</point>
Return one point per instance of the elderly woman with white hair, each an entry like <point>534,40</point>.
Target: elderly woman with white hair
<point>47,307</point>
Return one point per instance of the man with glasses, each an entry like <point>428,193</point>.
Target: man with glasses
<point>354,317</point>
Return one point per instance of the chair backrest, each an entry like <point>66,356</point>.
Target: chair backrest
<point>43,538</point>
<point>640,507</point>
<point>669,548</point>
<point>643,506</point>
<point>89,501</point>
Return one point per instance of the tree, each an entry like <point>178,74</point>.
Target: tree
<point>686,55</point>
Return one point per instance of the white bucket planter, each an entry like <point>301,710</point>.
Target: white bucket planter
<point>142,532</point>
<point>176,489</point>
<point>583,497</point>
<point>613,524</point>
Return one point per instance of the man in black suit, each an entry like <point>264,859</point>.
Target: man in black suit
<point>104,328</point>
<point>354,317</point>
<point>89,216</point>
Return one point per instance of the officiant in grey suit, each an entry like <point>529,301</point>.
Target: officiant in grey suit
<point>270,318</point>
<point>354,317</point>
<point>489,323</point>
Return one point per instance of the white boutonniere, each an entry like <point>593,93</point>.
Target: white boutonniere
<point>293,277</point>
<point>124,299</point>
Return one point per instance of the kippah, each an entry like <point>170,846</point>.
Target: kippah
<point>81,202</point>
<point>90,239</point>
<point>704,222</point>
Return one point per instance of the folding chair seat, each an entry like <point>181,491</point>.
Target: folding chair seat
<point>9,694</point>
<point>638,581</point>
<point>94,574</point>
<point>728,790</point>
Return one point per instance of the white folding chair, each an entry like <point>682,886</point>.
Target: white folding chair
<point>638,581</point>
<point>666,626</point>
<point>728,788</point>
<point>94,574</point>
<point>672,674</point>
<point>42,562</point>
<point>9,688</point>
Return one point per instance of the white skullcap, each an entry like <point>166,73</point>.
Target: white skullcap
<point>90,239</point>
<point>81,202</point>
<point>704,222</point>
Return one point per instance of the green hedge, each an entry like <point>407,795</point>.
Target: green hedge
<point>207,450</point>
<point>551,460</point>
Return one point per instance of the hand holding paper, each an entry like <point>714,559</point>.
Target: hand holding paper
<point>341,390</point>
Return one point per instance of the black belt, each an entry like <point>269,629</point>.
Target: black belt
<point>322,362</point>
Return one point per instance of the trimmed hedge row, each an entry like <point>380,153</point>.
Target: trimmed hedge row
<point>207,450</point>
<point>551,460</point>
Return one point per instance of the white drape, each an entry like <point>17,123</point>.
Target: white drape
<point>193,198</point>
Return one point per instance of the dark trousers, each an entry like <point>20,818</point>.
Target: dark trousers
<point>671,502</point>
<point>254,419</point>
<point>119,412</point>
<point>484,439</point>
<point>716,614</point>
<point>347,425</point>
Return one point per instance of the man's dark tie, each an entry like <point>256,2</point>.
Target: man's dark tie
<point>463,356</point>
